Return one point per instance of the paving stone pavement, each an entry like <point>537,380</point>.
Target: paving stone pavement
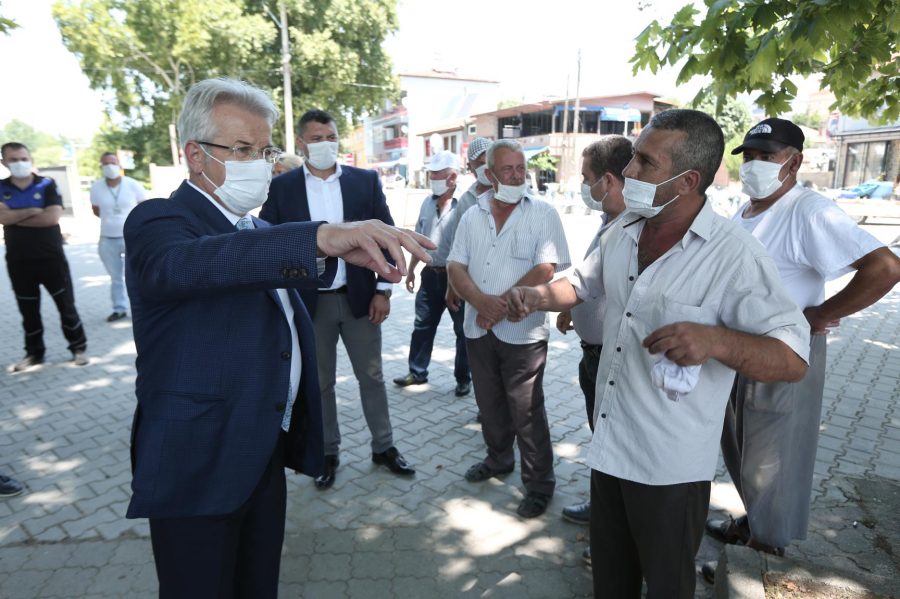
<point>64,433</point>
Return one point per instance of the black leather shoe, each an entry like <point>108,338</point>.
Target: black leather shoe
<point>410,379</point>
<point>116,316</point>
<point>533,505</point>
<point>481,472</point>
<point>734,531</point>
<point>327,479</point>
<point>579,513</point>
<point>394,462</point>
<point>462,389</point>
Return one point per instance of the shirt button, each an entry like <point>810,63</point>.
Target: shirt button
<point>285,355</point>
<point>628,314</point>
<point>602,415</point>
<point>618,349</point>
<point>295,273</point>
<point>612,383</point>
<point>279,407</point>
<point>631,278</point>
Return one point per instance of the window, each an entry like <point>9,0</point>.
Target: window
<point>473,129</point>
<point>855,157</point>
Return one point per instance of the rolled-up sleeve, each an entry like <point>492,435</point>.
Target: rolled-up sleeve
<point>758,304</point>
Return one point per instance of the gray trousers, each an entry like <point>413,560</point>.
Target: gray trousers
<point>509,391</point>
<point>362,340</point>
<point>769,445</point>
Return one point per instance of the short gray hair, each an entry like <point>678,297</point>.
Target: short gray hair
<point>195,122</point>
<point>702,146</point>
<point>291,161</point>
<point>506,144</point>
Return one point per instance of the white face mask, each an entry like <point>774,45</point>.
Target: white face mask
<point>481,175</point>
<point>439,187</point>
<point>588,199</point>
<point>322,154</point>
<point>111,171</point>
<point>510,194</point>
<point>639,196</point>
<point>246,184</point>
<point>20,169</point>
<point>760,178</point>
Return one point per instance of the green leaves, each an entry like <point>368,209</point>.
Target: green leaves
<point>749,46</point>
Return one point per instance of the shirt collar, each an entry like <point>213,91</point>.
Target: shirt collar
<point>231,216</point>
<point>701,226</point>
<point>336,174</point>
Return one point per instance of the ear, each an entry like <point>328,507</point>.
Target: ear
<point>690,182</point>
<point>194,156</point>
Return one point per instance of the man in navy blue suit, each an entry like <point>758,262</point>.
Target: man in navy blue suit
<point>227,384</point>
<point>355,304</point>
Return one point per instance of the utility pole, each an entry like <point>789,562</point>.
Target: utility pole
<point>564,171</point>
<point>577,115</point>
<point>286,71</point>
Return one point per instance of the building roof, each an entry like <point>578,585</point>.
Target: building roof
<point>585,101</point>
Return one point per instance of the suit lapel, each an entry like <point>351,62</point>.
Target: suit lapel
<point>303,199</point>
<point>346,193</point>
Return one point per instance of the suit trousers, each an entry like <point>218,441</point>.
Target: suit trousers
<point>509,391</point>
<point>233,556</point>
<point>430,306</point>
<point>27,277</point>
<point>645,532</point>
<point>362,340</point>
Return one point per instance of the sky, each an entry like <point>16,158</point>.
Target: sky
<point>529,46</point>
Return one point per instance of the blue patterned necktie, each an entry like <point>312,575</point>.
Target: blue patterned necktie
<point>244,223</point>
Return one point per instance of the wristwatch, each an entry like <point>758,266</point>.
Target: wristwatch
<point>385,292</point>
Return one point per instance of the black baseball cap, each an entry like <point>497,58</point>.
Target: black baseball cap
<point>772,135</point>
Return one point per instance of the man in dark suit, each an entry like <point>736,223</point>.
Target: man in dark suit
<point>226,373</point>
<point>355,304</point>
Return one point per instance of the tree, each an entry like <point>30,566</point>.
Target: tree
<point>734,118</point>
<point>543,162</point>
<point>147,53</point>
<point>7,24</point>
<point>759,45</point>
<point>45,149</point>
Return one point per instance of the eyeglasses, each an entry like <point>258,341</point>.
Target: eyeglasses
<point>270,153</point>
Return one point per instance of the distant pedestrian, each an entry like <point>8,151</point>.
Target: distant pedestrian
<point>510,238</point>
<point>112,199</point>
<point>285,163</point>
<point>771,429</point>
<point>30,208</point>
<point>434,216</point>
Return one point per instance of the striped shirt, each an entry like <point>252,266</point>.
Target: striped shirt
<point>434,226</point>
<point>532,235</point>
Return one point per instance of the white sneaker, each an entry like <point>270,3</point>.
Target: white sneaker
<point>80,359</point>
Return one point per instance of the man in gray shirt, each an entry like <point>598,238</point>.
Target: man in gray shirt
<point>434,217</point>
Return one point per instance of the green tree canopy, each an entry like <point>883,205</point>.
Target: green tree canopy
<point>147,53</point>
<point>759,45</point>
<point>6,24</point>
<point>45,149</point>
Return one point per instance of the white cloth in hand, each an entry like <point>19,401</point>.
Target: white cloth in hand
<point>677,381</point>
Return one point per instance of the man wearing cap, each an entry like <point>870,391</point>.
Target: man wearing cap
<point>771,429</point>
<point>434,217</point>
<point>476,155</point>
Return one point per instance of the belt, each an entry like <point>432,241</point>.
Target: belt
<point>437,268</point>
<point>342,289</point>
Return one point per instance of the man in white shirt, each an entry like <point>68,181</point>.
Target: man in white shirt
<point>357,302</point>
<point>112,199</point>
<point>684,287</point>
<point>771,429</point>
<point>602,164</point>
<point>507,239</point>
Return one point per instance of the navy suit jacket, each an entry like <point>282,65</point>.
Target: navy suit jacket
<point>213,355</point>
<point>362,198</point>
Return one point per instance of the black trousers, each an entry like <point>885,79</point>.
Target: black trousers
<point>236,556</point>
<point>27,276</point>
<point>587,377</point>
<point>645,532</point>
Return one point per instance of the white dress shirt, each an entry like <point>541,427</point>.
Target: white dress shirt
<point>327,204</point>
<point>288,310</point>
<point>532,235</point>
<point>587,317</point>
<point>811,240</point>
<point>716,275</point>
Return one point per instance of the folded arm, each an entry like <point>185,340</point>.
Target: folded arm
<point>16,216</point>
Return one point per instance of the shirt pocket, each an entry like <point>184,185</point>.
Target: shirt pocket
<point>522,246</point>
<point>664,310</point>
